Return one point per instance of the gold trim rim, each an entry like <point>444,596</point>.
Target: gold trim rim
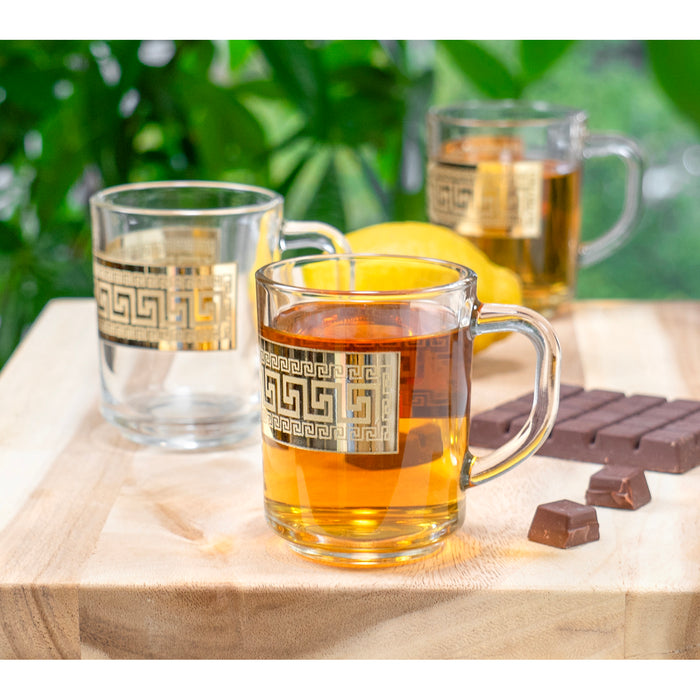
<point>467,276</point>
<point>99,199</point>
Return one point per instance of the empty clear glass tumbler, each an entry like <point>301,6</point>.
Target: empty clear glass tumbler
<point>174,267</point>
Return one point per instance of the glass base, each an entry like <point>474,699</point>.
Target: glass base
<point>366,558</point>
<point>404,539</point>
<point>188,422</point>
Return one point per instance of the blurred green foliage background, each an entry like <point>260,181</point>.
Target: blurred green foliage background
<point>336,126</point>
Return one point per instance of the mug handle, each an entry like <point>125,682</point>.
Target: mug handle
<point>599,145</point>
<point>498,318</point>
<point>312,234</point>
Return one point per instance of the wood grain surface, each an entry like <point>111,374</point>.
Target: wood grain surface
<point>113,550</point>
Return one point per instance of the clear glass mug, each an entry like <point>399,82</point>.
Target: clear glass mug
<point>507,175</point>
<point>366,392</point>
<point>173,267</point>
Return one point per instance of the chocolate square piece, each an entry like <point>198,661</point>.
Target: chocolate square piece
<point>564,524</point>
<point>617,486</point>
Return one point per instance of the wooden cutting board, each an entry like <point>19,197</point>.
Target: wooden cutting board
<point>109,549</point>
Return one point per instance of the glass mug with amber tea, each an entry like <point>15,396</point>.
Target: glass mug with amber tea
<point>365,402</point>
<point>173,267</point>
<point>507,175</point>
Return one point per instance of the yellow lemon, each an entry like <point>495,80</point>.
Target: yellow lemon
<point>495,284</point>
<point>375,274</point>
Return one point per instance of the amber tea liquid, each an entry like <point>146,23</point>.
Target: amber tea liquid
<point>394,503</point>
<point>542,252</point>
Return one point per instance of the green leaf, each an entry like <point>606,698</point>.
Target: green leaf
<point>337,54</point>
<point>483,69</point>
<point>308,181</point>
<point>193,56</point>
<point>676,65</point>
<point>537,57</point>
<point>225,134</point>
<point>327,203</point>
<point>126,54</point>
<point>366,81</point>
<point>360,120</point>
<point>239,50</point>
<point>28,88</point>
<point>283,186</point>
<point>265,88</point>
<point>62,161</point>
<point>10,237</point>
<point>298,69</point>
<point>11,327</point>
<point>365,103</point>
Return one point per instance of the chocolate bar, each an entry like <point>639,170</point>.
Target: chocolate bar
<point>564,524</point>
<point>617,486</point>
<point>606,427</point>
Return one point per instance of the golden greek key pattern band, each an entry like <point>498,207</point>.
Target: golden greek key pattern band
<point>330,401</point>
<point>487,199</point>
<point>430,396</point>
<point>166,307</point>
